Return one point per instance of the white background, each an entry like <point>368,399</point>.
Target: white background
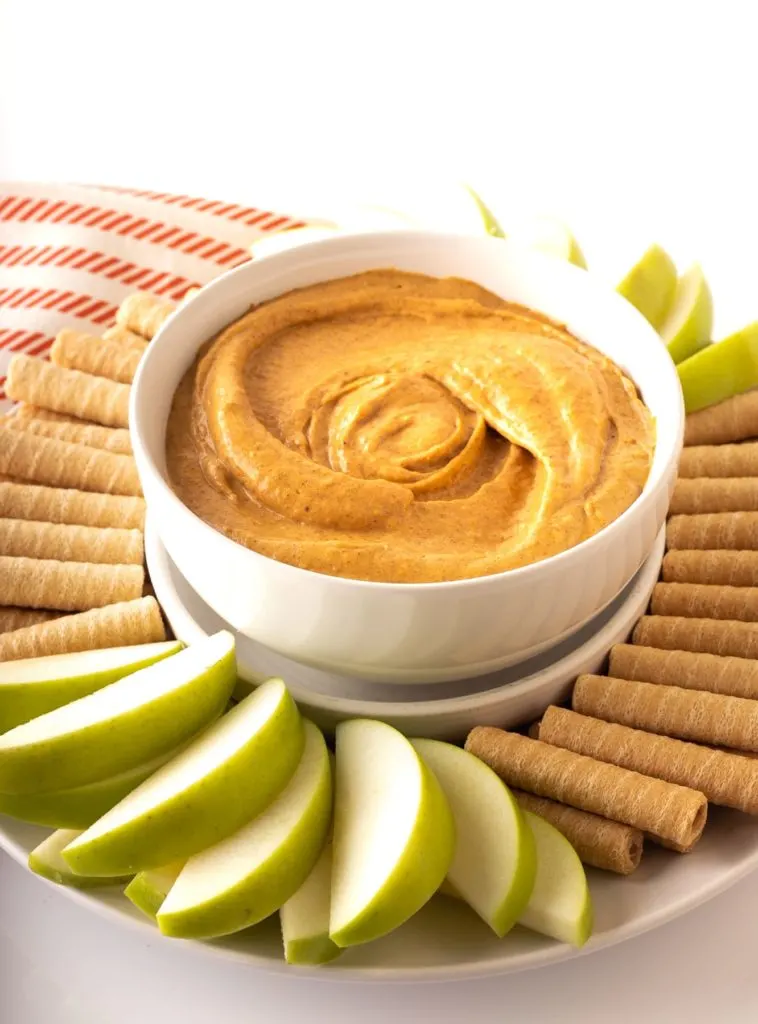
<point>634,122</point>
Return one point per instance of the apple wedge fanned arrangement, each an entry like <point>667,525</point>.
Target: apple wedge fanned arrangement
<point>215,816</point>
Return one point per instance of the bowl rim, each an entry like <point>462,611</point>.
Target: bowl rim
<point>288,259</point>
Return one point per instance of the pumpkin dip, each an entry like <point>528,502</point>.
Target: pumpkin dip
<point>396,427</point>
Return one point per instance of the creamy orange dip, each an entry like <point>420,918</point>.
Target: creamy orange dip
<point>396,427</point>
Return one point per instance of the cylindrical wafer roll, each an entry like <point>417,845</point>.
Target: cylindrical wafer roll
<point>68,391</point>
<point>735,419</point>
<point>710,636</point>
<point>661,808</point>
<point>722,494</point>
<point>713,531</point>
<point>19,618</point>
<point>598,841</point>
<point>124,337</point>
<point>118,625</point>
<point>23,411</point>
<point>714,460</point>
<point>45,460</point>
<point>732,677</point>
<point>704,601</point>
<point>726,779</point>
<point>669,711</point>
<point>55,505</point>
<point>718,568</point>
<point>90,354</point>
<point>144,314</point>
<point>68,586</point>
<point>26,538</point>
<point>111,439</point>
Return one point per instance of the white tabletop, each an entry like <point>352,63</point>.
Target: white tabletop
<point>634,124</point>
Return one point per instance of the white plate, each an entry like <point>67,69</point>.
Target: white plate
<point>517,694</point>
<point>446,941</point>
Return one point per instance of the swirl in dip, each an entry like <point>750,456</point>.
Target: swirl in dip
<point>395,427</point>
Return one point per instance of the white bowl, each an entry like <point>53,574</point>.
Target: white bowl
<point>424,632</point>
<point>444,711</point>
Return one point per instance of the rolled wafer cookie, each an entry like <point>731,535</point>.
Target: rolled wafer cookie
<point>68,391</point>
<point>45,460</point>
<point>661,808</point>
<point>90,354</point>
<point>68,586</point>
<point>598,841</point>
<point>56,505</point>
<point>709,636</point>
<point>718,568</point>
<point>118,625</point>
<point>669,711</point>
<point>26,538</point>
<point>724,460</point>
<point>144,314</point>
<point>733,677</point>
<point>705,601</point>
<point>23,411</point>
<point>714,530</point>
<point>124,337</point>
<point>722,494</point>
<point>19,618</point>
<point>112,439</point>
<point>726,779</point>
<point>735,419</point>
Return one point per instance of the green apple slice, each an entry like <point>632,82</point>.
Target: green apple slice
<point>46,860</point>
<point>244,878</point>
<point>393,833</point>
<point>149,889</point>
<point>560,904</point>
<point>122,725</point>
<point>720,371</point>
<point>548,235</point>
<point>215,786</point>
<point>78,808</point>
<point>34,686</point>
<point>650,285</point>
<point>305,917</point>
<point>489,220</point>
<point>689,322</point>
<point>494,865</point>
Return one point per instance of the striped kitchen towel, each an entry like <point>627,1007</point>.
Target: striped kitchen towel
<point>69,254</point>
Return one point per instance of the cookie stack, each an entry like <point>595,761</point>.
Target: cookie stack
<point>72,514</point>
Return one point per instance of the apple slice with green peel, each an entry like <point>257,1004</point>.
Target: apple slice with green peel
<point>122,725</point>
<point>494,864</point>
<point>34,686</point>
<point>560,905</point>
<point>78,808</point>
<point>489,220</point>
<point>148,889</point>
<point>244,878</point>
<point>650,285</point>
<point>721,370</point>
<point>215,786</point>
<point>548,235</point>
<point>393,833</point>
<point>46,860</point>
<point>305,917</point>
<point>689,321</point>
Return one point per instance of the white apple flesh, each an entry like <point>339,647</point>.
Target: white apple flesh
<point>248,876</point>
<point>33,686</point>
<point>305,917</point>
<point>148,889</point>
<point>215,786</point>
<point>122,725</point>
<point>495,862</point>
<point>560,905</point>
<point>393,833</point>
<point>46,860</point>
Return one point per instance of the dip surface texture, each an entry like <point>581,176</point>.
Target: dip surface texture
<point>400,428</point>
